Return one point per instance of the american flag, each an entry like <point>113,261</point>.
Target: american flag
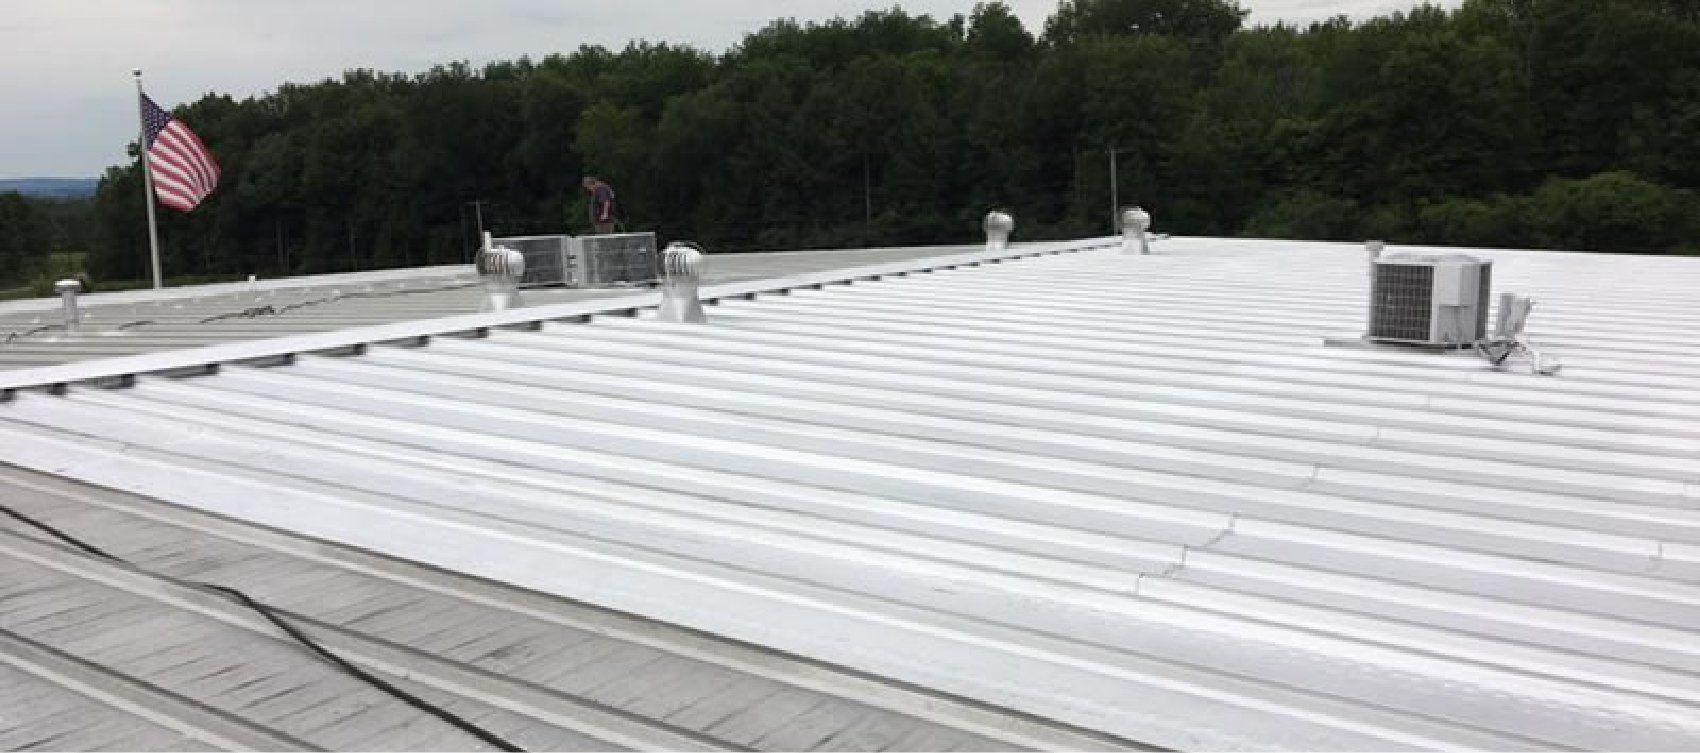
<point>184,172</point>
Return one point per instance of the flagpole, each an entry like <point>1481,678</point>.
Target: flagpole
<point>147,183</point>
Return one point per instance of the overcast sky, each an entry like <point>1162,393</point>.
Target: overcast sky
<point>67,95</point>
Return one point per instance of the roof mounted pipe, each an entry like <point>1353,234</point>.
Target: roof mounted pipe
<point>68,290</point>
<point>681,271</point>
<point>999,224</point>
<point>500,269</point>
<point>1135,221</point>
<point>1508,340</point>
<point>1372,253</point>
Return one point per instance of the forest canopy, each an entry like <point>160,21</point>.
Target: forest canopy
<point>1571,124</point>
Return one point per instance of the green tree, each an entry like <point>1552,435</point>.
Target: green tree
<point>1450,117</point>
<point>120,229</point>
<point>1615,212</point>
<point>1495,222</point>
<point>1206,22</point>
<point>995,33</point>
<point>1306,214</point>
<point>1571,123</point>
<point>24,238</point>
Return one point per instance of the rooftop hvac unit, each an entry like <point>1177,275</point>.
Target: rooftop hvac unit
<point>1429,300</point>
<point>585,261</point>
<point>547,261</point>
<point>615,258</point>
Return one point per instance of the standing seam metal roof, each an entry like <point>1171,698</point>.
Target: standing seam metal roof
<point>1130,493</point>
<point>141,321</point>
<point>97,655</point>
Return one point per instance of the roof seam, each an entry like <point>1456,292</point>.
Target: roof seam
<point>356,339</point>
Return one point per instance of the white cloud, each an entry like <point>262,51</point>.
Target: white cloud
<point>67,93</point>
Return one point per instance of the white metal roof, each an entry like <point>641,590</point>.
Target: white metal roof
<point>143,321</point>
<point>1130,493</point>
<point>99,656</point>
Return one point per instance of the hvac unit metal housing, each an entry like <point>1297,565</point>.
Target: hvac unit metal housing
<point>586,261</point>
<point>547,259</point>
<point>1429,300</point>
<point>615,258</point>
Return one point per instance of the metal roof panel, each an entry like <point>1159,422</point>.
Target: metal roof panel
<point>1135,494</point>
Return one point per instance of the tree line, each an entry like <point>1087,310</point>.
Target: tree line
<point>41,239</point>
<point>1570,124</point>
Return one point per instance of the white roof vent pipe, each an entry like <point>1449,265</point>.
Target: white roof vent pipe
<point>998,227</point>
<point>1508,340</point>
<point>1135,223</point>
<point>681,271</point>
<point>68,290</point>
<point>500,269</point>
<point>1372,254</point>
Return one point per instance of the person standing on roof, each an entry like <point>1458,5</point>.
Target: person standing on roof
<point>601,204</point>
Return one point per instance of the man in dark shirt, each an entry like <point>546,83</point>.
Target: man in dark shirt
<point>601,204</point>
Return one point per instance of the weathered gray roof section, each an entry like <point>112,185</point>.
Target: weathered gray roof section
<point>142,321</point>
<point>38,713</point>
<point>1129,493</point>
<point>95,655</point>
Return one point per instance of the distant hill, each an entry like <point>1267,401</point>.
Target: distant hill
<point>51,188</point>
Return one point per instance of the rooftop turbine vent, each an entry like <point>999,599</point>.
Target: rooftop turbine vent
<point>501,268</point>
<point>1135,222</point>
<point>998,227</point>
<point>681,271</point>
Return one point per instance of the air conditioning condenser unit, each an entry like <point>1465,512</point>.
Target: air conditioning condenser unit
<point>1429,300</point>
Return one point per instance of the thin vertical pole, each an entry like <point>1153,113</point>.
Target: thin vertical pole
<point>1115,199</point>
<point>478,219</point>
<point>867,194</point>
<point>147,184</point>
<point>464,253</point>
<point>1075,204</point>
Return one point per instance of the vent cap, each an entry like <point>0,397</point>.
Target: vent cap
<point>999,225</point>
